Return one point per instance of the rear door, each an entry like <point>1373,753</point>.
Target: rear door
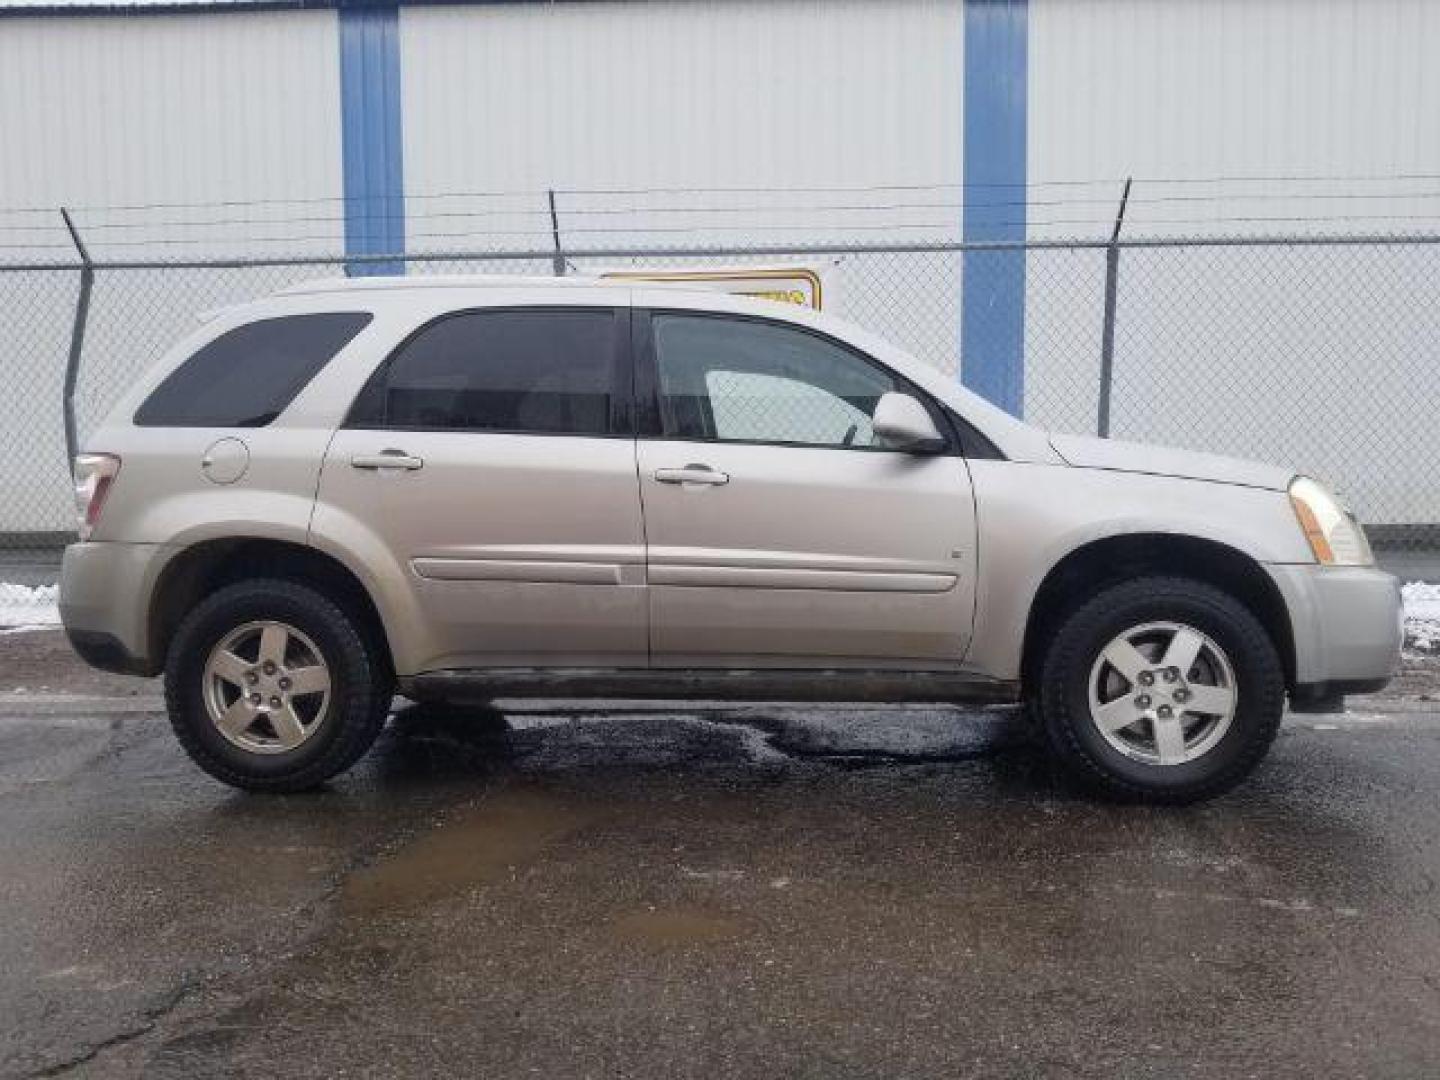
<point>780,534</point>
<point>491,456</point>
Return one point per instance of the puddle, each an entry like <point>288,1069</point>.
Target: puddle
<point>480,844</point>
<point>676,927</point>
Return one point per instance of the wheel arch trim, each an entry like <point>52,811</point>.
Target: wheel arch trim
<point>189,566</point>
<point>1122,554</point>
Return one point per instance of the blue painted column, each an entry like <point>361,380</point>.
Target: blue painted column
<point>992,321</point>
<point>370,135</point>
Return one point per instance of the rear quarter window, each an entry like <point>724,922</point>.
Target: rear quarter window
<point>533,371</point>
<point>247,376</point>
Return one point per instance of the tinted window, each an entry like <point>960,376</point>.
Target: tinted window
<point>528,371</point>
<point>247,376</point>
<point>735,380</point>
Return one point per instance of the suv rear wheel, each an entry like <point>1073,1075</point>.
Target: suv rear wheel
<point>1161,688</point>
<point>272,686</point>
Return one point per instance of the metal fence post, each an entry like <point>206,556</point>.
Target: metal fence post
<point>77,337</point>
<point>558,262</point>
<point>1107,334</point>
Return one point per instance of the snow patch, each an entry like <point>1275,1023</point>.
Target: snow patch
<point>1422,617</point>
<point>29,605</point>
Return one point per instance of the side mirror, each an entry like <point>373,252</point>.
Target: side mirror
<point>902,423</point>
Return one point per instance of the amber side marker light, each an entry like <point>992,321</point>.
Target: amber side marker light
<point>1313,532</point>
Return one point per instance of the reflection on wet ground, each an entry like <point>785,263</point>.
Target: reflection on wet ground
<point>541,736</point>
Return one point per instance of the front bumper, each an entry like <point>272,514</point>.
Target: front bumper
<point>105,591</point>
<point>1347,625</point>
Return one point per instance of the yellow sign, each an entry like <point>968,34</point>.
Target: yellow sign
<point>785,285</point>
<point>782,296</point>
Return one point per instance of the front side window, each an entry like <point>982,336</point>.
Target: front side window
<point>742,380</point>
<point>526,371</point>
<point>247,376</point>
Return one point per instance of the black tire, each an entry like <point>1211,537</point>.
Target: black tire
<point>359,697</point>
<point>1062,696</point>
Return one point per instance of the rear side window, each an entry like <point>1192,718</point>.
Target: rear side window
<point>521,371</point>
<point>247,376</point>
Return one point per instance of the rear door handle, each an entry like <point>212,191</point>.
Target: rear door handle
<point>692,474</point>
<point>387,459</point>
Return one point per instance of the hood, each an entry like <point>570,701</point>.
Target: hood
<point>1086,452</point>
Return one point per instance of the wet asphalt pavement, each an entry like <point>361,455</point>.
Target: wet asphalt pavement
<point>686,891</point>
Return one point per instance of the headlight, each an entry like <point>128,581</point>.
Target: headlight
<point>1335,536</point>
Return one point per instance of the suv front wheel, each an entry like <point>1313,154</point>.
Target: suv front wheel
<point>1161,688</point>
<point>271,686</point>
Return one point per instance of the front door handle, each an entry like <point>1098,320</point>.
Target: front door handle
<point>692,474</point>
<point>387,459</point>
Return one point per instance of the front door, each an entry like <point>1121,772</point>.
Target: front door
<point>491,458</point>
<point>780,533</point>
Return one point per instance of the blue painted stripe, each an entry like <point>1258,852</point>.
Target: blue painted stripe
<point>992,323</point>
<point>370,137</point>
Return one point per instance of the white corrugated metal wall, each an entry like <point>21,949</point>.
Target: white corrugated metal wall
<point>1233,88</point>
<point>782,101</point>
<point>208,108</point>
<point>108,111</point>
<point>673,123</point>
<point>1246,117</point>
<point>672,93</point>
<point>195,112</point>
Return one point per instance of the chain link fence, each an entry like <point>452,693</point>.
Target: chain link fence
<point>1314,352</point>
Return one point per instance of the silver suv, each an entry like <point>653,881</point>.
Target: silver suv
<point>471,488</point>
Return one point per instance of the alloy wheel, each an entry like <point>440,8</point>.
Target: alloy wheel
<point>1162,693</point>
<point>267,687</point>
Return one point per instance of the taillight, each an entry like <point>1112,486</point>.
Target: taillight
<point>94,475</point>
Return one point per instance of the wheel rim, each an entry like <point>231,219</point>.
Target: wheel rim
<point>1162,693</point>
<point>266,687</point>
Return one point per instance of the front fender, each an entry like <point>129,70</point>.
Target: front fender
<point>1030,517</point>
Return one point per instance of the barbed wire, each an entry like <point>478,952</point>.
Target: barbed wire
<point>779,249</point>
<point>543,237</point>
<point>91,227</point>
<point>517,193</point>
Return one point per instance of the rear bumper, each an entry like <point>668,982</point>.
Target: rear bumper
<point>1346,623</point>
<point>104,601</point>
